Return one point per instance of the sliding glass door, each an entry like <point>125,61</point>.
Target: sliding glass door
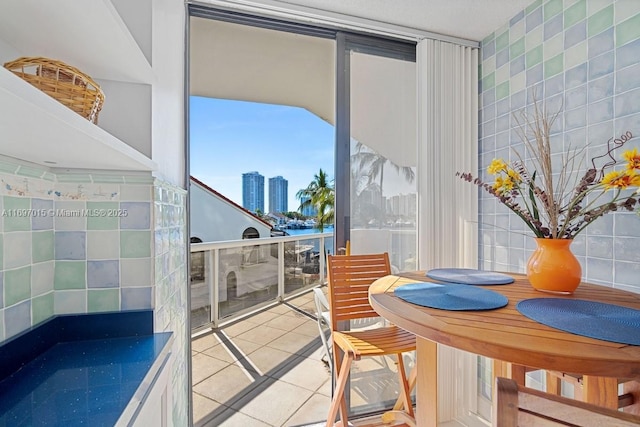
<point>376,194</point>
<point>376,200</point>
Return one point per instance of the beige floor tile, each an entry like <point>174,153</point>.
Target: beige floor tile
<point>313,410</point>
<point>276,411</point>
<point>204,342</point>
<point>262,335</point>
<point>238,328</point>
<point>279,309</point>
<point>261,318</point>
<point>291,342</point>
<point>309,374</point>
<point>224,385</point>
<point>325,389</point>
<point>309,328</point>
<point>203,366</point>
<point>245,347</point>
<point>221,352</point>
<point>286,323</point>
<point>202,407</point>
<point>266,359</point>
<point>237,419</point>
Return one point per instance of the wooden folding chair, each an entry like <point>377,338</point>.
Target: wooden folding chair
<point>515,405</point>
<point>349,279</point>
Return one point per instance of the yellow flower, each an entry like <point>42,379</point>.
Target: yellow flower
<point>621,180</point>
<point>508,184</point>
<point>496,166</point>
<point>503,184</point>
<point>497,186</point>
<point>633,157</point>
<point>514,176</point>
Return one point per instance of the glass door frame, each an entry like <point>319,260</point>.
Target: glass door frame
<point>345,43</point>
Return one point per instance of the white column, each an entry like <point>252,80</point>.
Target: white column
<point>447,143</point>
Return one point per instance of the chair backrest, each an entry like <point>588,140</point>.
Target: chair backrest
<point>514,405</point>
<point>349,278</point>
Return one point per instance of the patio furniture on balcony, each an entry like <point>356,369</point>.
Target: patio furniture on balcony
<point>498,334</point>
<point>349,279</point>
<point>323,319</point>
<point>515,405</point>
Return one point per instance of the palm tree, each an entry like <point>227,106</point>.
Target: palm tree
<point>319,194</point>
<point>367,159</point>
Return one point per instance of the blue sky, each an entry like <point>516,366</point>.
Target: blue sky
<point>229,138</point>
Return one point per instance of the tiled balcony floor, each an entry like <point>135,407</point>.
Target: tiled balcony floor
<point>265,370</point>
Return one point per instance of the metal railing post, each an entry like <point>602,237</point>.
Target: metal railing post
<point>280,271</point>
<point>214,293</point>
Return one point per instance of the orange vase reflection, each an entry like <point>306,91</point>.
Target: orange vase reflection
<point>553,267</point>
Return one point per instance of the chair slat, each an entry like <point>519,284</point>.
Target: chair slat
<point>515,405</point>
<point>350,277</point>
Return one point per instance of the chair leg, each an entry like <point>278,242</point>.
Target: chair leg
<point>413,375</point>
<point>338,401</point>
<point>325,344</point>
<point>404,400</point>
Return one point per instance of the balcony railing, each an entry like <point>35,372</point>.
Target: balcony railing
<point>232,278</point>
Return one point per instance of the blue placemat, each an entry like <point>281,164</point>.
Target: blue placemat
<point>606,322</point>
<point>468,276</point>
<point>450,296</point>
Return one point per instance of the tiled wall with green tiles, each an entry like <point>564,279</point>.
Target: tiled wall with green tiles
<point>72,243</point>
<point>582,58</point>
<point>169,205</point>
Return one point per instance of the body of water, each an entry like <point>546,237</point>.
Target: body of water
<point>299,231</point>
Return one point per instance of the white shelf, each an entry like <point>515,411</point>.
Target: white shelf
<point>89,35</point>
<point>37,128</point>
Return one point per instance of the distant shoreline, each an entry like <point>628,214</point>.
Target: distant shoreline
<point>299,231</point>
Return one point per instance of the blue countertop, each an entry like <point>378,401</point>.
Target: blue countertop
<point>79,382</point>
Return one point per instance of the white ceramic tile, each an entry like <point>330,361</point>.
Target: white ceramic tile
<point>625,9</point>
<point>534,38</point>
<point>502,74</point>
<point>518,82</point>
<point>489,65</point>
<point>575,55</point>
<point>42,278</point>
<point>595,6</point>
<point>62,222</point>
<point>2,336</point>
<point>70,301</point>
<point>138,193</point>
<point>135,272</point>
<point>70,191</point>
<point>17,249</point>
<point>103,244</point>
<point>102,192</point>
<point>517,30</point>
<point>553,46</point>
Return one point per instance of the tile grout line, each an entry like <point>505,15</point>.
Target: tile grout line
<point>242,359</point>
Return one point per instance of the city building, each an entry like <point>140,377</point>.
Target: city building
<point>278,194</point>
<point>253,191</point>
<point>308,210</point>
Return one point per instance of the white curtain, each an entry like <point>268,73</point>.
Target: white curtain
<point>447,143</point>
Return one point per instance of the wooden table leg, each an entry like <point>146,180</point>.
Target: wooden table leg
<point>427,383</point>
<point>633,388</point>
<point>601,391</point>
<point>509,370</point>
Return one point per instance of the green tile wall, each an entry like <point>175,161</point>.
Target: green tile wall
<point>40,208</point>
<point>582,57</point>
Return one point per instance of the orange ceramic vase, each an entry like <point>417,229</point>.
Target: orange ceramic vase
<point>553,267</point>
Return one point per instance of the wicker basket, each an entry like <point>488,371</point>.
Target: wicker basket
<point>63,82</point>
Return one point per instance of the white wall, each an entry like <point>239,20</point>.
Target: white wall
<point>213,219</point>
<point>167,124</point>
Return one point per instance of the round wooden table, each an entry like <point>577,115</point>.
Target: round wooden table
<point>514,341</point>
